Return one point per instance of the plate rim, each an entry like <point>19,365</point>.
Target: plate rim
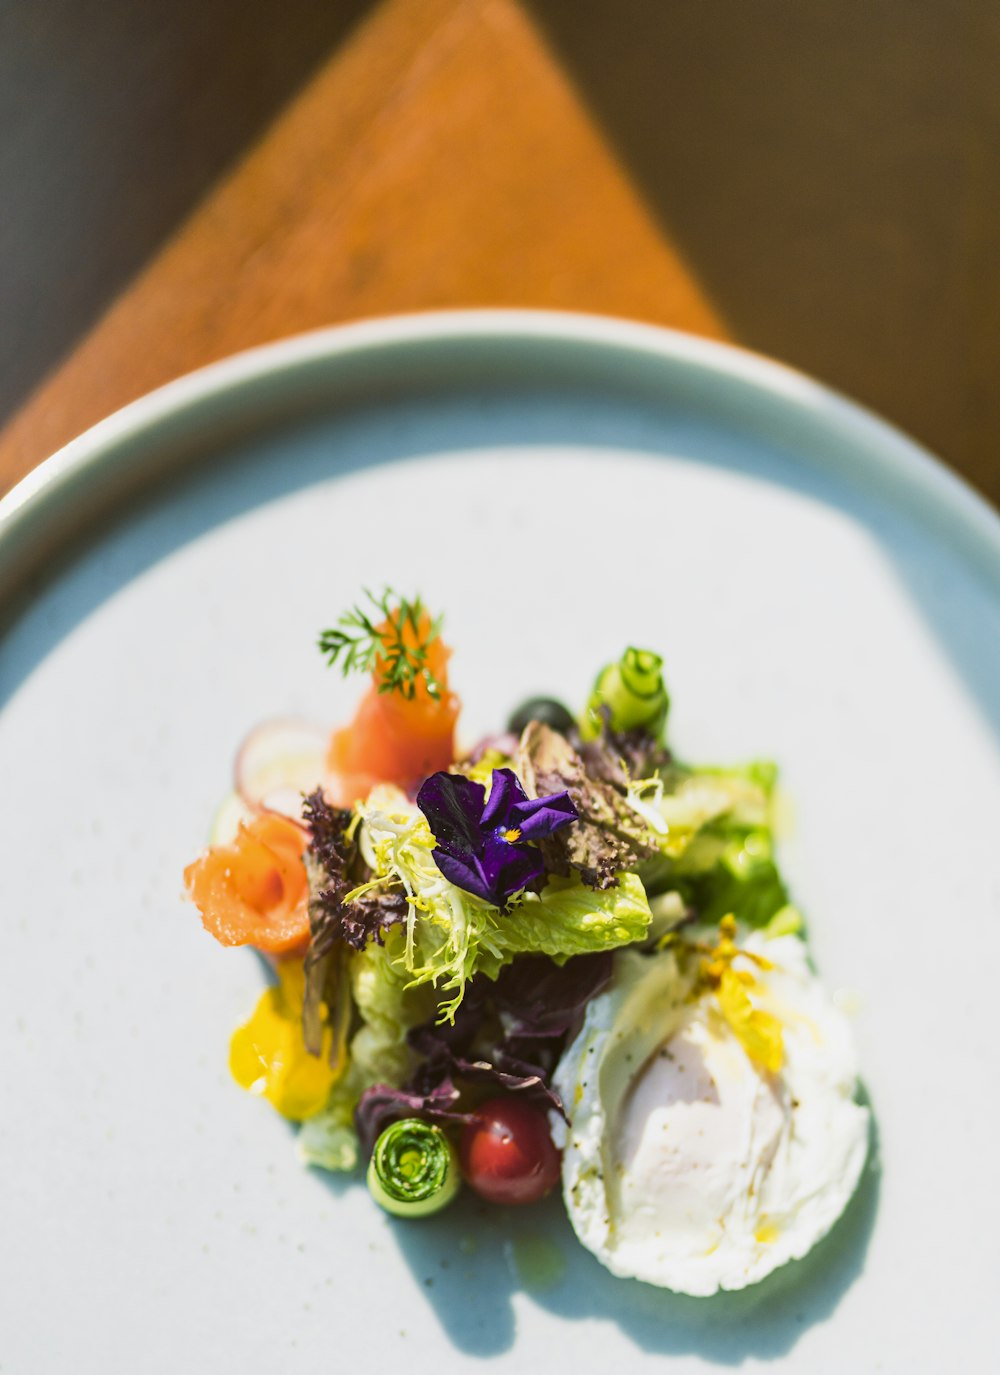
<point>35,502</point>
<point>235,371</point>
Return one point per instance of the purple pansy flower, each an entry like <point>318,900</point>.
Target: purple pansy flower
<point>483,846</point>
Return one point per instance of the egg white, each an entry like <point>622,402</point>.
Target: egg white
<point>685,1165</point>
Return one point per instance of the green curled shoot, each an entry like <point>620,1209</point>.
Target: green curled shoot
<point>414,1170</point>
<point>628,695</point>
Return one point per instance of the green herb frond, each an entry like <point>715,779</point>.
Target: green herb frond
<point>356,642</point>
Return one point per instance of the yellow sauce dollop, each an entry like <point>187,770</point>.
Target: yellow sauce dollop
<point>268,1056</point>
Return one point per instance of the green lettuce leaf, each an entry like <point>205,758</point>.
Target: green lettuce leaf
<point>569,918</point>
<point>329,1139</point>
<point>389,1006</point>
<point>450,935</point>
<point>716,841</point>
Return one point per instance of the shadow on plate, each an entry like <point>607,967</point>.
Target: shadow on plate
<point>473,1260</point>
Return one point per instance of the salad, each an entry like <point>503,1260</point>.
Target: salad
<point>561,959</point>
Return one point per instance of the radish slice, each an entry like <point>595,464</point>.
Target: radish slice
<point>278,762</point>
<point>226,821</point>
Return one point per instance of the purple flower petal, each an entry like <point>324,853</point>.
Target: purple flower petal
<point>493,875</point>
<point>505,792</point>
<point>480,845</point>
<point>453,806</point>
<point>541,816</point>
<point>466,872</point>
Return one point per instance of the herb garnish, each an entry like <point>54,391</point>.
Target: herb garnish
<point>396,646</point>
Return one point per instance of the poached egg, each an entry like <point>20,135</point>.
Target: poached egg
<point>687,1165</point>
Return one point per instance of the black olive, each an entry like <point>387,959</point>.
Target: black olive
<point>544,709</point>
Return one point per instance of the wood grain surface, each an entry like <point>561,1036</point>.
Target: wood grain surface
<point>818,182</point>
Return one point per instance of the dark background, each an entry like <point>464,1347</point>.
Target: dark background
<point>817,181</point>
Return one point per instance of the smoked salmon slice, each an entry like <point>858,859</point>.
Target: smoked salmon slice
<point>394,737</point>
<point>255,891</point>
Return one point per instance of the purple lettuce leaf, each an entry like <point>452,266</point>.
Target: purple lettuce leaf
<point>335,867</point>
<point>542,998</point>
<point>508,1034</point>
<point>381,1105</point>
<point>497,1067</point>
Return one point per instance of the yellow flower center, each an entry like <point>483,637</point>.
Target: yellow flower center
<point>512,835</point>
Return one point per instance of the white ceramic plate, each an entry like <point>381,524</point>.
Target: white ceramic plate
<point>823,592</point>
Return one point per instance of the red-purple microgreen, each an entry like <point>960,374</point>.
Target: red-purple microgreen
<point>610,837</point>
<point>361,641</point>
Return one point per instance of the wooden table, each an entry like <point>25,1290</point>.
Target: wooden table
<point>819,182</point>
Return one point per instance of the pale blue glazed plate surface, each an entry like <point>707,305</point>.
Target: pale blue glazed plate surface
<point>823,593</point>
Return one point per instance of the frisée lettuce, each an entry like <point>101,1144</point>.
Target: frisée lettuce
<point>452,935</point>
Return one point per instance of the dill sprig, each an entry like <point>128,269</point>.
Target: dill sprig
<point>357,641</point>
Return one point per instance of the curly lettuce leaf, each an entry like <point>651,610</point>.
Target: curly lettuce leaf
<point>451,935</point>
<point>567,918</point>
